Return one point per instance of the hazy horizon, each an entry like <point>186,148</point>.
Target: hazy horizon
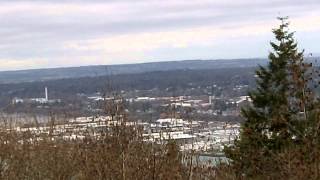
<point>56,33</point>
<point>134,63</point>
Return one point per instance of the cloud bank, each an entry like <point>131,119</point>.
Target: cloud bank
<point>55,33</point>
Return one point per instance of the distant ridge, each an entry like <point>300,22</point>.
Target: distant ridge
<point>101,70</point>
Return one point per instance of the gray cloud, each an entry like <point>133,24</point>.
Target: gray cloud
<point>40,29</point>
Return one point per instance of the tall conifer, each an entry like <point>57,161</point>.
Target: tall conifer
<point>280,106</point>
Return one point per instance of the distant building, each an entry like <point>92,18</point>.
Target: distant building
<point>44,100</point>
<point>17,100</point>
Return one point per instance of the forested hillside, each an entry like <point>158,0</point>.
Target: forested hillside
<point>93,71</point>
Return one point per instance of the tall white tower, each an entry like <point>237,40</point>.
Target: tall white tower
<point>46,92</point>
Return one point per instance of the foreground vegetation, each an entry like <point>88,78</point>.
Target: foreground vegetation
<point>115,152</point>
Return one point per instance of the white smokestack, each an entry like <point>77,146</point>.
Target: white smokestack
<point>46,92</point>
<point>210,99</point>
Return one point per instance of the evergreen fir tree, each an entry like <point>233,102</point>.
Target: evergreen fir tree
<point>280,106</point>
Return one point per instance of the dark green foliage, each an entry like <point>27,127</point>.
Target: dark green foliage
<point>278,119</point>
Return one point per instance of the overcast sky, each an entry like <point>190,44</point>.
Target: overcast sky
<point>57,33</point>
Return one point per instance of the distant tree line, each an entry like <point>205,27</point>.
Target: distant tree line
<point>166,82</point>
